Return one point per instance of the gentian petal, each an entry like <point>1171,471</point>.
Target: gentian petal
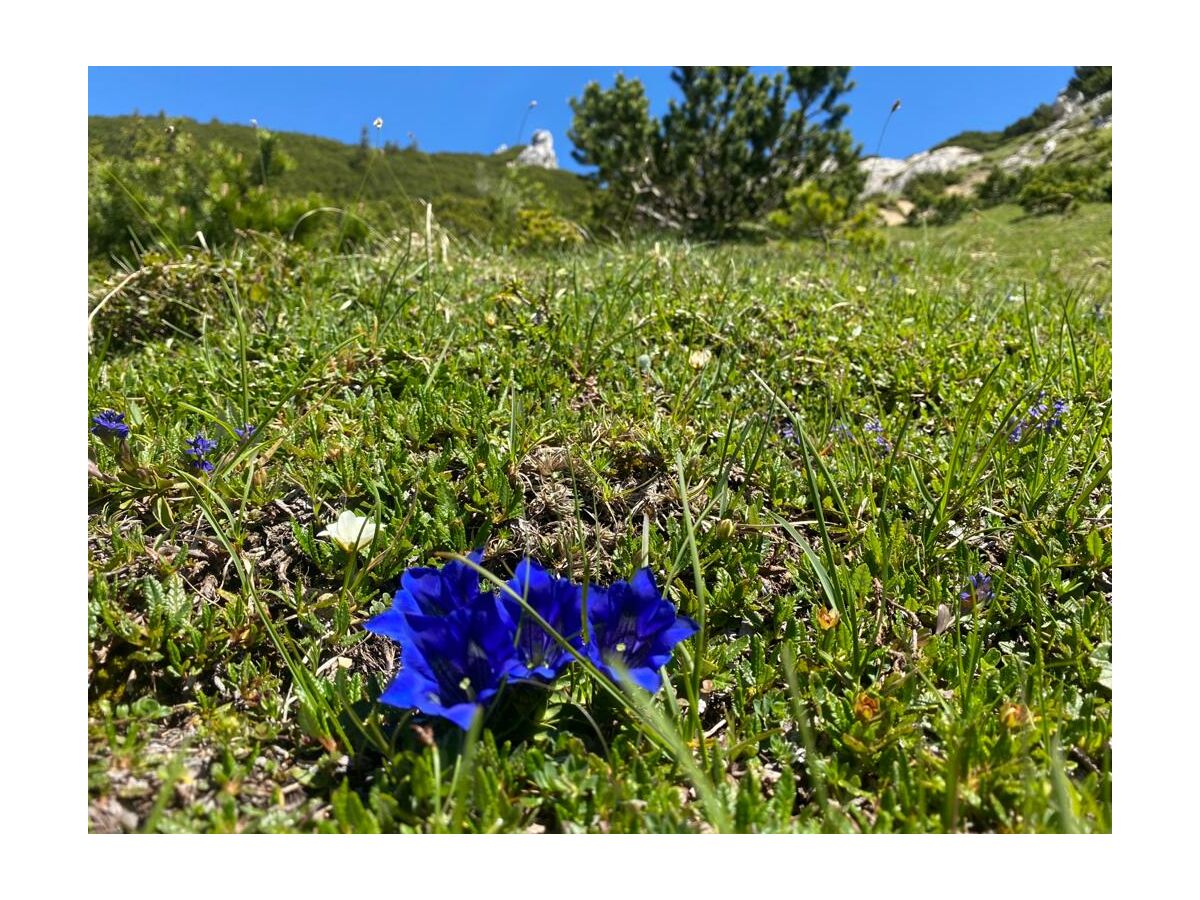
<point>646,678</point>
<point>557,601</point>
<point>390,623</point>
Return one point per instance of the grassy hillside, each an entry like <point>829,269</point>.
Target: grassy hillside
<point>879,484</point>
<point>157,181</point>
<point>1004,239</point>
<point>1088,82</point>
<point>328,167</point>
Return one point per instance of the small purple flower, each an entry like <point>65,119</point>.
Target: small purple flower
<point>1054,423</point>
<point>882,444</point>
<point>1038,409</point>
<point>979,590</point>
<point>841,432</point>
<point>1039,417</point>
<point>198,448</point>
<point>788,432</point>
<point>110,425</point>
<point>245,432</point>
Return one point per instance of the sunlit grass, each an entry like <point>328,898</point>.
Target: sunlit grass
<point>704,410</point>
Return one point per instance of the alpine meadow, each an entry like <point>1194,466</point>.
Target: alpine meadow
<point>746,483</point>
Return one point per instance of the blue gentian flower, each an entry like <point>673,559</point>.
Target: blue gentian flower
<point>979,590</point>
<point>453,664</point>
<point>556,600</point>
<point>460,645</point>
<point>632,625</point>
<point>439,592</point>
<point>110,425</point>
<point>245,432</point>
<point>456,642</point>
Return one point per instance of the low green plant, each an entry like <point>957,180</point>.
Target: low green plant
<point>1002,187</point>
<point>811,211</point>
<point>1061,187</point>
<point>948,208</point>
<point>540,229</point>
<point>170,192</point>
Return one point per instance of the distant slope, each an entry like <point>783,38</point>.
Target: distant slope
<point>334,169</point>
<point>1079,133</point>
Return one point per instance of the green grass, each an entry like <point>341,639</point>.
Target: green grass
<point>549,405</point>
<point>1005,242</point>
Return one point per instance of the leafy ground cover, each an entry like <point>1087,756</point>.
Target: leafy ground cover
<point>879,484</point>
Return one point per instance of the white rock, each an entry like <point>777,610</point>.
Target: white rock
<point>540,152</point>
<point>889,176</point>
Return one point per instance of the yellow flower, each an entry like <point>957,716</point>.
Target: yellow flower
<point>1013,715</point>
<point>827,618</point>
<point>866,707</point>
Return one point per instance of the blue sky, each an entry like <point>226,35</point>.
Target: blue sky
<point>477,109</point>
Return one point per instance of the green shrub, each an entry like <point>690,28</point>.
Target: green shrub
<point>1042,117</point>
<point>979,141</point>
<point>1091,81</point>
<point>948,209</point>
<point>860,231</point>
<point>393,183</point>
<point>1002,187</point>
<point>1061,187</point>
<point>541,229</point>
<point>515,211</point>
<point>168,191</point>
<point>925,189</point>
<point>809,211</point>
<point>724,154</point>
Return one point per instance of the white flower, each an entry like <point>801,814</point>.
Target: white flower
<point>379,122</point>
<point>350,532</point>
